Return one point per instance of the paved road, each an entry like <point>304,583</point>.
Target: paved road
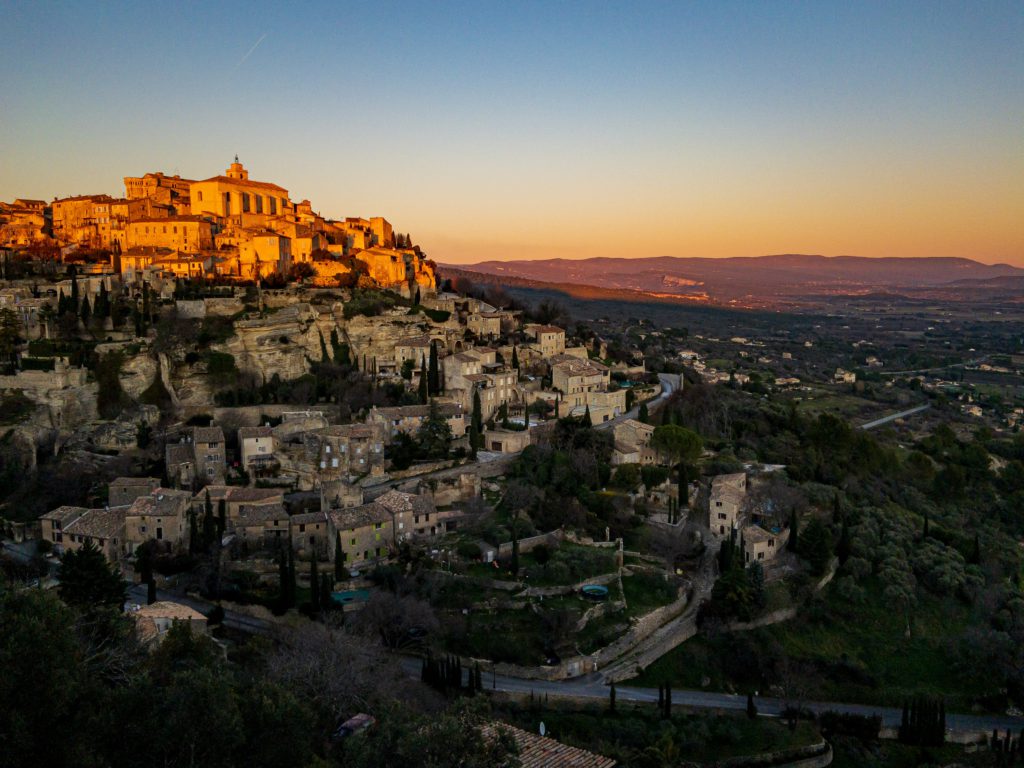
<point>591,688</point>
<point>667,385</point>
<point>232,619</point>
<point>893,417</point>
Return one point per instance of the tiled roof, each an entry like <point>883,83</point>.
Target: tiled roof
<point>141,482</point>
<point>399,502</point>
<point>546,329</point>
<point>541,752</point>
<point>247,432</point>
<point>419,411</point>
<point>308,517</point>
<point>179,453</point>
<point>164,609</point>
<point>755,534</point>
<point>359,517</point>
<point>99,523</point>
<point>208,434</point>
<point>244,183</point>
<point>64,514</point>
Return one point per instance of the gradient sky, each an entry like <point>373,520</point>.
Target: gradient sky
<point>529,130</point>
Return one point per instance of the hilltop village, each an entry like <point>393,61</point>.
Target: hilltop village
<point>242,422</point>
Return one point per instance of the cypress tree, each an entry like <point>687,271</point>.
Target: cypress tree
<point>751,707</point>
<point>282,580</point>
<point>433,374</point>
<point>314,585</point>
<point>684,485</point>
<point>661,698</point>
<point>193,531</point>
<point>208,523</point>
<point>150,590</point>
<point>74,288</point>
<point>477,425</point>
<point>794,531</point>
<point>643,414</point>
<point>515,358</point>
<point>86,312</point>
<point>611,698</point>
<point>325,592</point>
<point>586,421</point>
<point>222,520</point>
<point>339,559</point>
<point>423,390</point>
<point>668,701</point>
<point>324,357</point>
<point>291,576</point>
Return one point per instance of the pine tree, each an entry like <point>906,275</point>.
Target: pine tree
<point>433,373</point>
<point>339,559</point>
<point>423,391</point>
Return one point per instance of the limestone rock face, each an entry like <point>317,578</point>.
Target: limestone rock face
<point>137,374</point>
<point>376,336</point>
<point>278,344</point>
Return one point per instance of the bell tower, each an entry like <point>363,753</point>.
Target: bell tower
<point>237,171</point>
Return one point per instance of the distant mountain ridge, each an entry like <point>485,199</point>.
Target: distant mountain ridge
<point>753,279</point>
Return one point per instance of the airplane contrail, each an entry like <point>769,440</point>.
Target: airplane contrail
<point>249,52</point>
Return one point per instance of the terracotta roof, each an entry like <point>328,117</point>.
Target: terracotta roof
<point>99,523</point>
<point>348,430</point>
<point>179,453</point>
<point>575,366</point>
<point>208,434</point>
<point>398,502</point>
<point>170,219</point>
<point>307,518</point>
<point>541,752</point>
<point>359,517</point>
<point>447,410</point>
<point>64,514</point>
<point>253,495</point>
<point>755,534</point>
<point>164,609</point>
<point>244,183</point>
<point>249,514</point>
<point>545,329</point>
<point>144,482</point>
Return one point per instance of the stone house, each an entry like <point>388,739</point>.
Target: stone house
<point>257,446</point>
<point>633,443</point>
<point>409,418</point>
<point>366,533</point>
<point>125,490</point>
<point>70,528</point>
<point>725,502</point>
<point>550,339</point>
<point>760,545</point>
<point>161,515</point>
<point>506,440</point>
<point>347,449</point>
<point>152,622</point>
<point>198,458</point>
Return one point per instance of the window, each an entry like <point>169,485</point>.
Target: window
<point>142,529</point>
<point>302,528</point>
<point>199,192</point>
<point>273,206</point>
<point>159,534</point>
<point>378,526</point>
<point>353,542</point>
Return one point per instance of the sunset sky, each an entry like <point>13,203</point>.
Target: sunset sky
<point>530,130</point>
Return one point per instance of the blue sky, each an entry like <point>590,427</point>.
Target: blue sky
<point>521,130</point>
